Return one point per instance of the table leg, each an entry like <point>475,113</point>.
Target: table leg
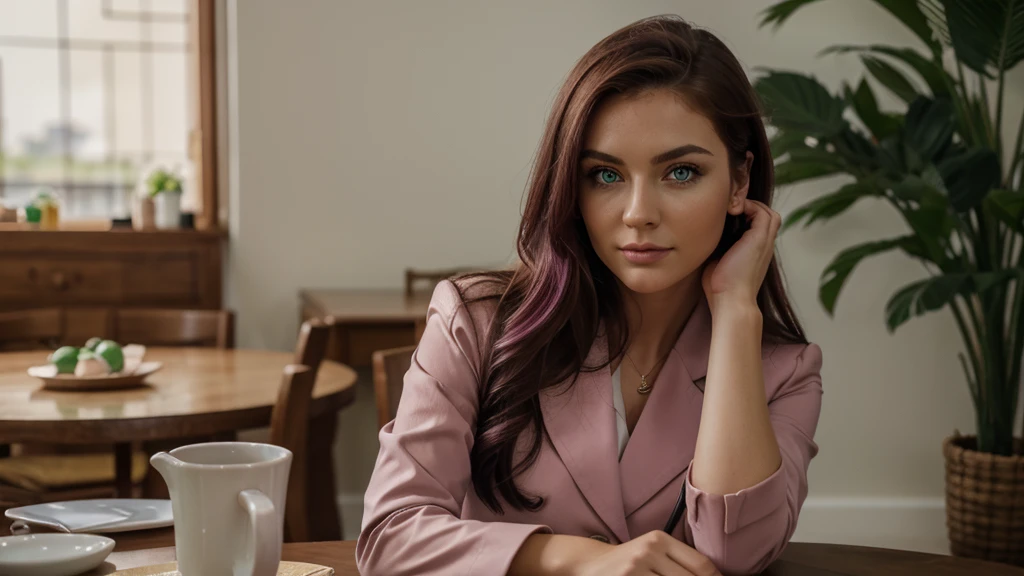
<point>321,494</point>
<point>123,469</point>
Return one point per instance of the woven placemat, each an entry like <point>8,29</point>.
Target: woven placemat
<point>284,569</point>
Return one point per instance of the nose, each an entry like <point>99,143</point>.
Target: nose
<point>643,210</point>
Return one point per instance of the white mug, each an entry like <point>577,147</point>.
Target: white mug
<point>228,503</point>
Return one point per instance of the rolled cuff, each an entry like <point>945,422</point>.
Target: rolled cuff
<point>500,544</point>
<point>732,512</point>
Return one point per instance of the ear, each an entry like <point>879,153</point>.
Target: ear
<point>740,186</point>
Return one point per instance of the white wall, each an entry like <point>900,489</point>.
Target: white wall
<point>369,136</point>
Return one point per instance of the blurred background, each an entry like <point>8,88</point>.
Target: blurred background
<point>332,144</point>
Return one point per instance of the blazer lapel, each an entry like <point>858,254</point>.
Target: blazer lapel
<point>581,425</point>
<point>662,444</point>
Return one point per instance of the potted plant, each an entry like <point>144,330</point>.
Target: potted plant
<point>948,168</point>
<point>164,187</point>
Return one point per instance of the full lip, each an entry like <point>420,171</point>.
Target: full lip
<point>644,247</point>
<point>644,254</point>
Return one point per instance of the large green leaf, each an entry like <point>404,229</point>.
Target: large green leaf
<point>856,149</point>
<point>923,296</point>
<point>792,172</point>
<point>935,14</point>
<point>879,123</point>
<point>906,11</point>
<point>933,293</point>
<point>910,14</point>
<point>785,142</point>
<point>920,191</point>
<point>835,274</point>
<point>970,176</point>
<point>937,79</point>
<point>891,155</point>
<point>932,225</point>
<point>929,127</point>
<point>926,210</point>
<point>980,122</point>
<point>777,14</point>
<point>807,163</point>
<point>830,205</point>
<point>801,104</point>
<point>1008,207</point>
<point>891,78</point>
<point>986,34</point>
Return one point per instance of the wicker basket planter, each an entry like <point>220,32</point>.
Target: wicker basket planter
<point>984,501</point>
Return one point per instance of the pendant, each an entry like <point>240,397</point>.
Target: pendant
<point>644,387</point>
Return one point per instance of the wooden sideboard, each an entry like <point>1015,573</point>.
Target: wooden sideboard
<point>82,271</point>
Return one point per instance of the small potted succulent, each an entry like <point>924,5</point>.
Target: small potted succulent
<point>164,188</point>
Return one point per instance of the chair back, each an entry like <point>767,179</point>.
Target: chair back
<point>311,346</point>
<point>168,327</point>
<point>41,328</point>
<point>389,368</point>
<point>289,428</point>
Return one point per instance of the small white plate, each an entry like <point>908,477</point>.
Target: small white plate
<point>52,554</point>
<point>97,516</point>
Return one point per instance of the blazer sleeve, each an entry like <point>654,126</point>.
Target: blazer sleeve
<point>743,533</point>
<point>411,517</point>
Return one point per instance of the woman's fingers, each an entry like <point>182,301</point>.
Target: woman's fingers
<point>693,561</point>
<point>666,566</point>
<point>765,220</point>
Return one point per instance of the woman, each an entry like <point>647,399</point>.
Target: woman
<point>643,345</point>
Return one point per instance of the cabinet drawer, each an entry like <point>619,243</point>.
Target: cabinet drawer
<point>165,280</point>
<point>32,281</point>
<point>138,279</point>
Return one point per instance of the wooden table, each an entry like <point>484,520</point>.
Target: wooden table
<point>367,320</point>
<point>799,559</point>
<point>200,392</point>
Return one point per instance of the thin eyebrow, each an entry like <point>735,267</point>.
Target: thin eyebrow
<point>659,159</point>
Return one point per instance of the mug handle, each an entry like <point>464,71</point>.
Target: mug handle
<point>264,534</point>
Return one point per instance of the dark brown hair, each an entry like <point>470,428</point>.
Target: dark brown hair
<point>549,307</point>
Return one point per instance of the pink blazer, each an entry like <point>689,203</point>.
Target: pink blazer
<point>422,515</point>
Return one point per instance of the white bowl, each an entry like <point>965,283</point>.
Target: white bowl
<point>52,554</point>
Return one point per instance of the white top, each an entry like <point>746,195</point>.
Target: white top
<point>620,411</point>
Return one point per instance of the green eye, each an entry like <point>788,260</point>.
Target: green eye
<point>607,176</point>
<point>683,173</point>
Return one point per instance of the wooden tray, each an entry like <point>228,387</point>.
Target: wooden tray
<point>284,569</point>
<point>53,381</point>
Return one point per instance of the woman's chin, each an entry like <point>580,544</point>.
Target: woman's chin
<point>648,281</point>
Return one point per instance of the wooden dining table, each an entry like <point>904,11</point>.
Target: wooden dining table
<point>198,392</point>
<point>148,547</point>
<point>799,559</point>
<point>366,320</point>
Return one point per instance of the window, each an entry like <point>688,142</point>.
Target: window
<point>95,93</point>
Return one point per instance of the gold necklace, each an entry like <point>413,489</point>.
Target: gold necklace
<point>645,387</point>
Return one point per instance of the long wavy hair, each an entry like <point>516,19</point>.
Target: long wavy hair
<point>549,307</point>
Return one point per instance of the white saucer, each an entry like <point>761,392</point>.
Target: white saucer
<point>97,516</point>
<point>52,554</point>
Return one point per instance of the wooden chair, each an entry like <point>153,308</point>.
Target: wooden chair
<point>414,276</point>
<point>37,474</point>
<point>31,479</point>
<point>389,368</point>
<point>38,478</point>
<point>41,329</point>
<point>173,327</point>
<point>289,428</point>
<point>311,347</point>
<point>168,327</point>
<point>310,350</point>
